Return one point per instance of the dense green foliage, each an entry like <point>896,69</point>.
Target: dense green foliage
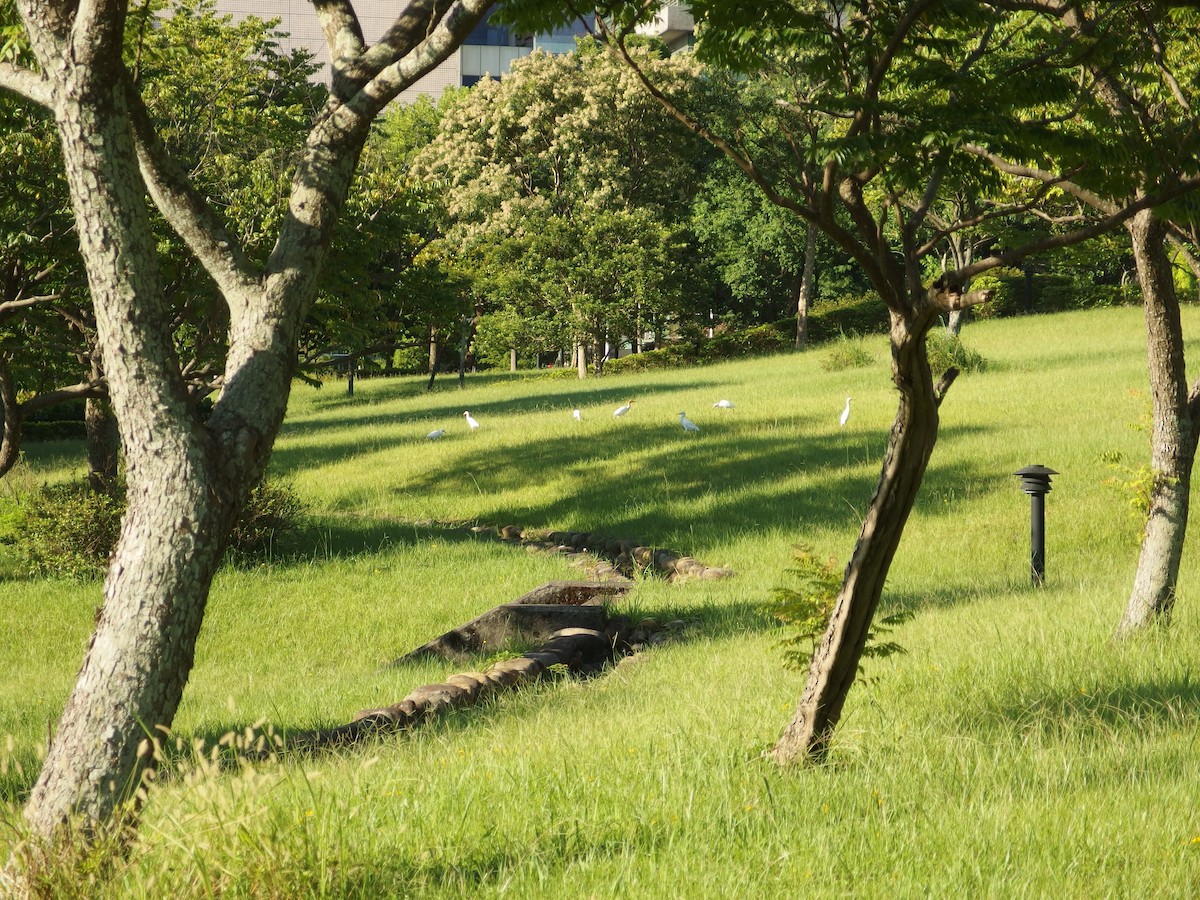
<point>69,530</point>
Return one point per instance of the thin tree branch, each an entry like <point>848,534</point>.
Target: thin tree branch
<point>943,385</point>
<point>1050,179</point>
<point>10,307</point>
<point>1073,237</point>
<point>94,389</point>
<point>187,212</point>
<point>399,64</point>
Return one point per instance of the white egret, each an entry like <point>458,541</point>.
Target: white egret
<point>723,404</point>
<point>688,424</point>
<point>471,421</point>
<point>845,415</point>
<point>621,410</point>
<point>435,434</point>
<point>577,415</point>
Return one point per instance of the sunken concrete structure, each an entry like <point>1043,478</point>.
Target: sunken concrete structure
<point>529,619</point>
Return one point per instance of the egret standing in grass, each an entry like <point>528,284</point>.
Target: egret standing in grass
<point>435,434</point>
<point>577,415</point>
<point>723,404</point>
<point>688,425</point>
<point>472,424</point>
<point>621,410</point>
<point>842,424</point>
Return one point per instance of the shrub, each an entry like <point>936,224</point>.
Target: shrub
<point>946,350</point>
<point>759,340</point>
<point>857,314</point>
<point>63,430</point>
<point>70,529</point>
<point>1008,293</point>
<point>847,352</point>
<point>272,509</point>
<point>755,341</point>
<point>670,357</point>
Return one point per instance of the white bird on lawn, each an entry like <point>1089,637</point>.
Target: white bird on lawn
<point>471,421</point>
<point>621,410</point>
<point>845,415</point>
<point>435,434</point>
<point>577,415</point>
<point>723,404</point>
<point>688,424</point>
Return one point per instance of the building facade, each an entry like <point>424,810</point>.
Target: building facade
<point>489,51</point>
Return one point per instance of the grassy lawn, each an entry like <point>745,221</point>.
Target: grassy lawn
<point>1014,750</point>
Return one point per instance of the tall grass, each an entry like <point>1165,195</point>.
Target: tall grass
<point>1014,750</point>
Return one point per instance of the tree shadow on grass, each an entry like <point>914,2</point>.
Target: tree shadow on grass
<point>653,484</point>
<point>341,536</point>
<point>364,412</point>
<point>708,622</point>
<point>1135,708</point>
<point>736,479</point>
<point>951,596</point>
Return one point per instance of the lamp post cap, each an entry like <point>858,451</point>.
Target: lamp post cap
<point>1038,469</point>
<point>1035,479</point>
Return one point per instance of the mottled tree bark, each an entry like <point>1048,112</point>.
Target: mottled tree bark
<point>141,653</point>
<point>187,478</point>
<point>1173,441</point>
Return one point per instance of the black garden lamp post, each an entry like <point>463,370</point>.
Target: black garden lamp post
<point>1035,481</point>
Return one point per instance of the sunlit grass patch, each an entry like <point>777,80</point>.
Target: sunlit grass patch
<point>1013,750</point>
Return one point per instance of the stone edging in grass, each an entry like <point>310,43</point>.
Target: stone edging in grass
<point>581,651</point>
<point>604,558</point>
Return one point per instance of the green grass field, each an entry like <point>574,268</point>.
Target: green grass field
<point>1015,750</point>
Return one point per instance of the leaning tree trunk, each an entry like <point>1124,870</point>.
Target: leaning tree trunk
<point>141,652</point>
<point>187,479</point>
<point>1173,444</point>
<point>835,663</point>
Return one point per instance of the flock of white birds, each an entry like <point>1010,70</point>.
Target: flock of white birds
<point>687,424</point>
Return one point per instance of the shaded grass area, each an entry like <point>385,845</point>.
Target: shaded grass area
<point>1014,750</point>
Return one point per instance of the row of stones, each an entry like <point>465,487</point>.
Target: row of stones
<point>578,650</point>
<point>618,558</point>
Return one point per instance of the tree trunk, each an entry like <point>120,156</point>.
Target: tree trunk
<point>955,321</point>
<point>10,421</point>
<point>512,359</point>
<point>835,663</point>
<point>581,359</point>
<point>804,296</point>
<point>470,326</point>
<point>141,653</point>
<point>1173,444</point>
<point>433,357</point>
<point>103,444</point>
<point>187,479</point>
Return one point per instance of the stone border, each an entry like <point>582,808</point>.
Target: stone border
<point>579,651</point>
<point>605,558</point>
